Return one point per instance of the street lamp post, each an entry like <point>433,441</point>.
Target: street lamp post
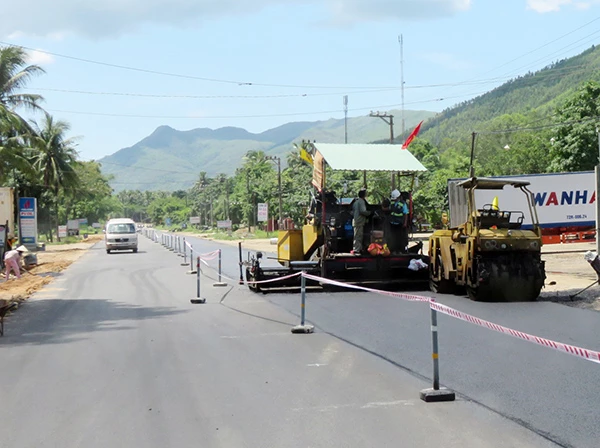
<point>278,159</point>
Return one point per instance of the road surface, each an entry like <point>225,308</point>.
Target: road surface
<point>112,354</point>
<point>553,394</point>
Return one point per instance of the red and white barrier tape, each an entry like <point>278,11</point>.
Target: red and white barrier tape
<point>210,255</point>
<point>583,353</point>
<point>409,297</point>
<point>278,279</point>
<point>589,355</point>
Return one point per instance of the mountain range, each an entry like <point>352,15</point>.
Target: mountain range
<point>169,159</point>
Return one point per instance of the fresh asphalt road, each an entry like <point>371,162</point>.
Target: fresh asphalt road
<point>552,393</point>
<point>112,354</point>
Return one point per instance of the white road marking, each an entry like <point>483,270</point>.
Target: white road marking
<point>371,405</point>
<point>315,365</point>
<point>260,335</point>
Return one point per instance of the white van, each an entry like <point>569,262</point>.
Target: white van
<point>120,234</point>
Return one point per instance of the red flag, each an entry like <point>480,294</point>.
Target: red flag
<point>412,135</point>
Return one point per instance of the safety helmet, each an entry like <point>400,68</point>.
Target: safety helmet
<point>395,194</point>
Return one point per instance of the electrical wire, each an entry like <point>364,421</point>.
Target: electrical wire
<point>151,95</point>
<point>290,114</point>
<point>538,128</point>
<point>198,78</point>
<point>555,73</point>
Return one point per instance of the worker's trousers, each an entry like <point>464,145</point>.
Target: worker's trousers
<point>12,264</point>
<point>358,238</point>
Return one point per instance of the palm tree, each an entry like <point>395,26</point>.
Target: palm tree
<point>14,76</point>
<point>54,156</point>
<point>12,154</point>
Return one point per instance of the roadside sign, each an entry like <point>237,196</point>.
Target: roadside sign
<point>28,220</point>
<point>224,224</point>
<point>7,208</point>
<point>62,231</point>
<point>83,221</point>
<point>263,212</point>
<point>195,220</point>
<point>96,225</point>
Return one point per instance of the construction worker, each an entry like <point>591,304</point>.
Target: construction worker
<point>398,223</point>
<point>12,260</point>
<point>360,213</point>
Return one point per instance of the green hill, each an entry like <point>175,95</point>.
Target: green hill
<point>169,159</point>
<point>534,95</point>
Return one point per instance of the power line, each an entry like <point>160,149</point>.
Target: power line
<point>539,128</point>
<point>542,46</point>
<point>152,95</point>
<point>290,114</point>
<point>538,48</point>
<point>197,78</point>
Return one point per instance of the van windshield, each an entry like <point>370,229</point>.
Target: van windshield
<point>121,228</point>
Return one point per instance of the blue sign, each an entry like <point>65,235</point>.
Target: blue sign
<point>28,221</point>
<point>168,221</point>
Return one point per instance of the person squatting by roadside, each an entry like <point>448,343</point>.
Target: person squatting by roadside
<point>12,260</point>
<point>360,213</point>
<point>398,223</point>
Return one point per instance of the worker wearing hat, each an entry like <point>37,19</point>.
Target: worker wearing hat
<point>398,223</point>
<point>12,260</point>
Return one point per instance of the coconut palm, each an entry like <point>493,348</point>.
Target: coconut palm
<point>54,156</point>
<point>14,76</point>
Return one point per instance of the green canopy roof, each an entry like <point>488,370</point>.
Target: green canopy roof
<point>369,157</point>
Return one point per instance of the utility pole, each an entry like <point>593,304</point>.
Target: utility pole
<point>385,117</point>
<point>401,41</point>
<point>278,159</point>
<point>471,167</point>
<point>389,120</point>
<point>345,118</point>
<point>251,208</point>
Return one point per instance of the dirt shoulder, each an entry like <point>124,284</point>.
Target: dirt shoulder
<point>50,262</point>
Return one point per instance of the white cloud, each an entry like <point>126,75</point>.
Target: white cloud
<point>543,6</point>
<point>39,58</point>
<point>110,18</point>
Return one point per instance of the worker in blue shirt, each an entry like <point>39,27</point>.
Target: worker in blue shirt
<point>399,213</point>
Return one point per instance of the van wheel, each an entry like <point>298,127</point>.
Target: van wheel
<point>135,250</point>
<point>108,251</point>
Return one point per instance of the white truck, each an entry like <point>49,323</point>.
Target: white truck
<point>562,200</point>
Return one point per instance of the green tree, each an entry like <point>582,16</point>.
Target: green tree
<point>576,143</point>
<point>14,76</point>
<point>54,157</point>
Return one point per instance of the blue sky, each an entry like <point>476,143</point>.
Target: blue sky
<point>323,49</point>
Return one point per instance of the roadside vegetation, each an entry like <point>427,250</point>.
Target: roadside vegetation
<point>39,156</point>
